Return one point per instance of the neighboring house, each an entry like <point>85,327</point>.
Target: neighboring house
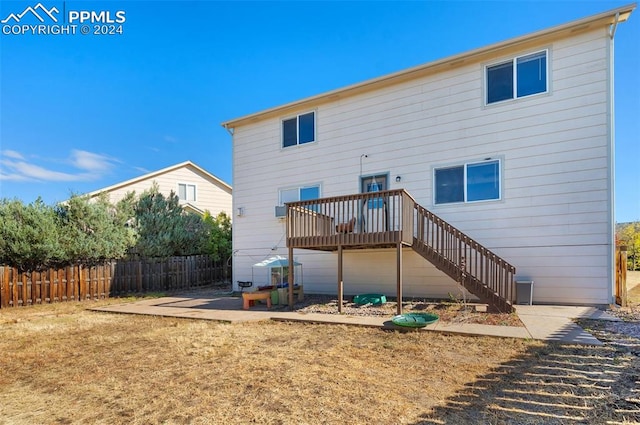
<point>198,190</point>
<point>512,144</point>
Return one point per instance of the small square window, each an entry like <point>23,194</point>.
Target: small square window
<point>299,130</point>
<point>187,192</point>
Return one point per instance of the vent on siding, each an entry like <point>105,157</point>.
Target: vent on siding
<point>281,212</point>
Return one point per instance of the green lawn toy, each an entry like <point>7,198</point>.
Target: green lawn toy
<point>415,320</point>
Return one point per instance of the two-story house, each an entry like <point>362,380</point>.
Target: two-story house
<point>481,168</point>
<point>197,189</point>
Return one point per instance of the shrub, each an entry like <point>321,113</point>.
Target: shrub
<point>29,235</point>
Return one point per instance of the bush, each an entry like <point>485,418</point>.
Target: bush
<point>89,231</point>
<point>219,235</point>
<point>29,235</point>
<point>92,231</point>
<point>164,229</point>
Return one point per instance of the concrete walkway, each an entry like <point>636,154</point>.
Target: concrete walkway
<point>548,323</point>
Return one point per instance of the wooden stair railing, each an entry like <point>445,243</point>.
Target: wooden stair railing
<point>479,270</point>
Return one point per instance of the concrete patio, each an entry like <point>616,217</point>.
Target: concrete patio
<point>541,322</point>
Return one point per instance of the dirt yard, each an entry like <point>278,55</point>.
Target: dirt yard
<point>62,364</point>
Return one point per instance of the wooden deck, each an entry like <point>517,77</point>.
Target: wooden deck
<point>393,219</point>
<point>371,220</point>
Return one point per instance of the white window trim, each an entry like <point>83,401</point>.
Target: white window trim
<point>195,191</point>
<point>464,167</point>
<point>297,117</point>
<point>514,62</point>
<point>298,187</point>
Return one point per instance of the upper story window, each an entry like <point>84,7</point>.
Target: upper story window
<point>299,129</point>
<point>479,181</point>
<point>187,192</point>
<point>519,77</point>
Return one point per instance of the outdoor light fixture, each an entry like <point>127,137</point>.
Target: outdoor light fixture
<point>364,155</point>
<point>240,211</point>
<point>398,178</point>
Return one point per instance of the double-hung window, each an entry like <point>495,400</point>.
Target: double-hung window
<point>299,130</point>
<point>187,192</point>
<point>519,77</point>
<point>471,182</point>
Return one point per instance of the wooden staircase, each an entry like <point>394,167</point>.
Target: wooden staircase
<point>480,271</point>
<point>393,218</point>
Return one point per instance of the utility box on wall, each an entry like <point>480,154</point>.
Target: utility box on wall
<point>524,292</point>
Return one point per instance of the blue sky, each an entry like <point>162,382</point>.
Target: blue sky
<point>81,112</point>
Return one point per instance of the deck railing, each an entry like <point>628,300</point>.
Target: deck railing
<point>387,218</point>
<point>359,220</point>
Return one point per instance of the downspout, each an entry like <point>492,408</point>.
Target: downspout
<point>614,26</point>
<point>231,258</point>
<point>612,162</point>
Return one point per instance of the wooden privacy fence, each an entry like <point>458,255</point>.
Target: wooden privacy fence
<point>114,278</point>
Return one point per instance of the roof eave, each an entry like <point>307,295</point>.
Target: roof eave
<point>618,15</point>
<point>157,173</point>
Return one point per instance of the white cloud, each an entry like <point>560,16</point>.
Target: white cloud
<point>90,166</point>
<point>96,163</point>
<point>24,171</point>
<point>11,154</point>
<point>142,170</point>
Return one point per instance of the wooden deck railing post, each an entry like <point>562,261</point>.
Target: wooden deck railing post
<point>399,278</point>
<point>292,277</point>
<point>340,281</point>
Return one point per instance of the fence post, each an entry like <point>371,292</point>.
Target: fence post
<point>4,288</point>
<point>621,275</point>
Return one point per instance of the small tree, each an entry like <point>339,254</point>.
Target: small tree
<point>29,235</point>
<point>629,234</point>
<point>219,244</point>
<point>125,214</point>
<point>92,230</point>
<point>164,229</point>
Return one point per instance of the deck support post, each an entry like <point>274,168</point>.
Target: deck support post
<point>292,279</point>
<point>340,282</point>
<point>399,277</point>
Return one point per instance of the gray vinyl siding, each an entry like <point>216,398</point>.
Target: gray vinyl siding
<point>553,221</point>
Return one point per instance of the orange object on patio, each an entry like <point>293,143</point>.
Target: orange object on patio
<point>248,297</point>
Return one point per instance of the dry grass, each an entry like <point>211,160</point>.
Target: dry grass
<point>633,287</point>
<point>62,364</point>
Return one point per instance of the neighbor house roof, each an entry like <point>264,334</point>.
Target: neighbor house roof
<point>116,186</point>
<point>611,17</point>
